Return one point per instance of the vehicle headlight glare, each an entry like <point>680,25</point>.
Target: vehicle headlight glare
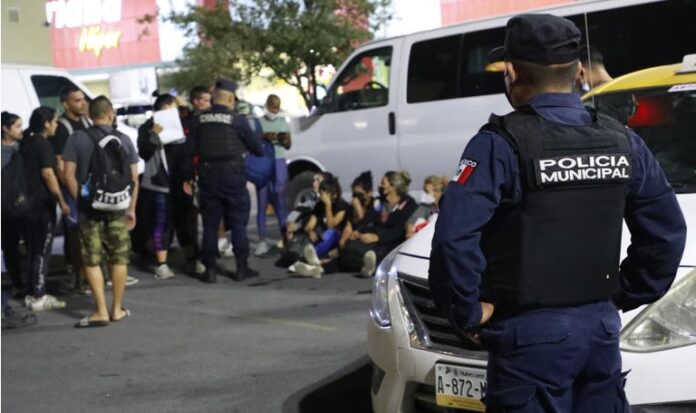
<point>380,289</point>
<point>668,323</point>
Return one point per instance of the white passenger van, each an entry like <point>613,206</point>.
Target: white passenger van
<point>413,102</point>
<point>26,87</point>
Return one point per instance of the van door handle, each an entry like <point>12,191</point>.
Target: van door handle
<point>392,123</point>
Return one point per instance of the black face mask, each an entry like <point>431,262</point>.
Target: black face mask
<point>359,197</point>
<point>381,192</point>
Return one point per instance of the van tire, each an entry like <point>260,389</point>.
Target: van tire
<point>299,186</point>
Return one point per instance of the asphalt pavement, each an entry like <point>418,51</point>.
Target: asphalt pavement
<point>188,346</point>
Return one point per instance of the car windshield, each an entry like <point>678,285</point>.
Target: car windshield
<point>666,120</point>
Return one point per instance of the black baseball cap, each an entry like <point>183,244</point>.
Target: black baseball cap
<point>544,39</point>
<point>225,84</point>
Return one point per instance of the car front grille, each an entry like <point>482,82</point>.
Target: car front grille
<point>434,330</point>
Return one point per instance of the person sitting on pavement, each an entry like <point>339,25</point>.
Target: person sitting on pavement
<point>103,234</point>
<point>428,205</point>
<point>324,228</point>
<point>160,164</point>
<point>372,241</point>
<point>38,223</point>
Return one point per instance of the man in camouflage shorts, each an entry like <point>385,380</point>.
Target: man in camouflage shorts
<point>104,236</point>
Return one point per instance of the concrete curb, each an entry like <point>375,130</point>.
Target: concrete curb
<point>344,391</point>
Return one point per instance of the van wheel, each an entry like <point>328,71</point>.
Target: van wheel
<point>299,187</point>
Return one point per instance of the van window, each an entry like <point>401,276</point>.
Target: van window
<point>364,83</point>
<point>477,76</point>
<point>48,89</point>
<point>433,70</point>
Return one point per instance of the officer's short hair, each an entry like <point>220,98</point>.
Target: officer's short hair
<point>65,92</point>
<point>540,76</point>
<point>100,107</point>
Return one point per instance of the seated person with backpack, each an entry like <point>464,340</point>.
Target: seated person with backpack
<point>323,228</point>
<point>101,172</point>
<point>371,241</point>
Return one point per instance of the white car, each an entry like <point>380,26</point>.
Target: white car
<point>413,348</point>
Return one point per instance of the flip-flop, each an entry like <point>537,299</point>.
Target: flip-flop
<point>87,323</point>
<point>125,310</point>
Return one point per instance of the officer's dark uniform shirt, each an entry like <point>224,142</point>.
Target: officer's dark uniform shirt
<point>247,137</point>
<point>653,216</point>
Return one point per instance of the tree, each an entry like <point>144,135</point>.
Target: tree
<point>291,37</point>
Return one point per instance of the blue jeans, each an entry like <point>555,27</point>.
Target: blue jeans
<point>556,360</point>
<point>276,193</point>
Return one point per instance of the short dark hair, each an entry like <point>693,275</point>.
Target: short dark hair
<point>197,92</point>
<point>591,54</point>
<point>66,91</point>
<point>539,76</point>
<point>331,185</point>
<point>164,100</point>
<point>100,107</point>
<point>39,117</point>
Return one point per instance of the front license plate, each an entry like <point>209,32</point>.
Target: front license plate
<point>460,387</point>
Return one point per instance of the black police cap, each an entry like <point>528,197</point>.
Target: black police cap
<point>539,38</point>
<point>226,84</point>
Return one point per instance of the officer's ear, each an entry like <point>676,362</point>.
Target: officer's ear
<point>510,71</point>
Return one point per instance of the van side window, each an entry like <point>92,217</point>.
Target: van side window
<point>478,77</point>
<point>363,84</point>
<point>433,69</point>
<point>48,90</point>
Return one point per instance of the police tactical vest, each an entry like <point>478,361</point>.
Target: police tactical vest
<point>218,140</point>
<point>561,245</point>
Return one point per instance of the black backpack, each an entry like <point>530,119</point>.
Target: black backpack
<point>17,199</point>
<point>109,181</point>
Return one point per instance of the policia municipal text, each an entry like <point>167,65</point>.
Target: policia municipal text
<point>525,255</point>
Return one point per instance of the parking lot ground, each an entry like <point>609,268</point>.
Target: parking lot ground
<point>189,346</point>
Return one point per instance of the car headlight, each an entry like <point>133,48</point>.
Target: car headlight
<point>668,323</point>
<point>380,289</point>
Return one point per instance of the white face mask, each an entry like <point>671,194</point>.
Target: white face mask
<point>427,199</point>
<point>271,115</point>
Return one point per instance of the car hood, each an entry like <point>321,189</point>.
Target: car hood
<point>420,244</point>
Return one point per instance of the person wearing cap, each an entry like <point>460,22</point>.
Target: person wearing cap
<point>525,253</point>
<point>219,140</point>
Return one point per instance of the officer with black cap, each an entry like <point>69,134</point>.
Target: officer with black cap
<point>220,138</point>
<point>525,255</point>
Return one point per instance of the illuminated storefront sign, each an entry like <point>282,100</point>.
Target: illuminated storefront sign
<point>102,33</point>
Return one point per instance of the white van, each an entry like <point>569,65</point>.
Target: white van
<point>412,102</point>
<point>25,87</point>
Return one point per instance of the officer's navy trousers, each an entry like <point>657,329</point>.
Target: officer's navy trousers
<point>560,360</point>
<point>224,196</point>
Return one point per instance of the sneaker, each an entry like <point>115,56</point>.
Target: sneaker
<point>28,301</point>
<point>310,255</point>
<point>293,267</point>
<point>225,248</point>
<point>46,303</point>
<point>369,264</point>
<point>163,272</point>
<point>17,318</point>
<point>199,267</point>
<point>308,270</point>
<point>131,280</point>
<point>262,249</point>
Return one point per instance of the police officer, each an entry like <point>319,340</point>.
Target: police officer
<point>220,138</point>
<point>525,255</point>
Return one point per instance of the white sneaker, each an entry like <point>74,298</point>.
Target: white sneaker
<point>262,248</point>
<point>369,264</point>
<point>29,300</point>
<point>308,270</point>
<point>129,281</point>
<point>47,302</point>
<point>310,254</point>
<point>292,268</point>
<point>225,248</point>
<point>163,272</point>
<point>200,267</point>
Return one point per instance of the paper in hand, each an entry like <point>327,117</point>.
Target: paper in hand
<point>172,131</point>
